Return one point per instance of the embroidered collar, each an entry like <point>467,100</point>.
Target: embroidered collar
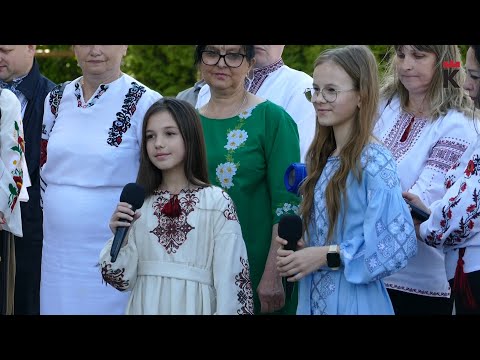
<point>100,91</point>
<point>12,86</point>
<point>259,75</point>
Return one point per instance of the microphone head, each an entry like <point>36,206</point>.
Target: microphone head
<point>290,228</point>
<point>133,194</point>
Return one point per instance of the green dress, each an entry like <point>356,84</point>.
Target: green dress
<point>248,155</point>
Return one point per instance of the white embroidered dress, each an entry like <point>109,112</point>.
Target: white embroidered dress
<point>193,264</point>
<point>93,151</point>
<point>423,158</point>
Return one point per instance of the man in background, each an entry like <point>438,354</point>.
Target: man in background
<point>19,72</point>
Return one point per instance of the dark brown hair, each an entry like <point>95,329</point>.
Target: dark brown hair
<point>190,127</point>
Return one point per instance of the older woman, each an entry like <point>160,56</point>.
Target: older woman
<point>91,149</point>
<point>426,123</point>
<point>250,143</point>
<point>454,222</point>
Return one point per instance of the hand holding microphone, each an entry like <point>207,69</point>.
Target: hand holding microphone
<point>134,195</point>
<point>290,228</point>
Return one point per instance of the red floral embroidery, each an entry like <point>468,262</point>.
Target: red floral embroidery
<point>470,168</point>
<point>172,231</point>
<point>245,292</point>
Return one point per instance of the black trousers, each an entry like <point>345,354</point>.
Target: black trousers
<point>27,282</point>
<point>474,282</point>
<point>7,273</point>
<point>411,304</point>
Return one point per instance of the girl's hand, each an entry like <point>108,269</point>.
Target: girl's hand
<point>2,220</point>
<point>123,216</point>
<point>298,264</point>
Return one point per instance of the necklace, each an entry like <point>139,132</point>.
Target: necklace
<point>244,101</point>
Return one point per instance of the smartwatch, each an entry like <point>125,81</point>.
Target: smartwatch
<point>333,257</point>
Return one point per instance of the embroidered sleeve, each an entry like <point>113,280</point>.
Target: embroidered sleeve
<point>12,151</point>
<point>231,271</point>
<point>456,217</point>
<point>122,274</point>
<point>281,149</point>
<point>51,105</point>
<point>455,135</point>
<point>388,238</point>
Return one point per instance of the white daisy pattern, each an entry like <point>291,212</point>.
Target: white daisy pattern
<point>225,173</point>
<point>235,138</point>
<point>287,208</point>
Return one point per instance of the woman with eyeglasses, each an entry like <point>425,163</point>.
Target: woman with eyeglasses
<point>250,143</point>
<point>426,122</point>
<point>454,222</point>
<point>358,227</point>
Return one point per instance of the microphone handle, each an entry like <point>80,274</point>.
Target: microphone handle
<point>292,245</point>
<point>117,242</point>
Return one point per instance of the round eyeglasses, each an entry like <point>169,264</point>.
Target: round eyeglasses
<point>232,60</point>
<point>329,94</point>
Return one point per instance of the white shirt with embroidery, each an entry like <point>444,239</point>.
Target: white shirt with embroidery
<point>423,158</point>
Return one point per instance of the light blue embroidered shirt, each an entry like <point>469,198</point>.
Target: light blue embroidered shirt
<point>376,240</point>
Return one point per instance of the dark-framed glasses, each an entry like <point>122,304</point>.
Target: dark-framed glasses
<point>329,94</point>
<point>232,60</point>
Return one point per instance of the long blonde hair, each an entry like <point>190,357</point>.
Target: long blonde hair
<point>441,99</point>
<point>359,63</point>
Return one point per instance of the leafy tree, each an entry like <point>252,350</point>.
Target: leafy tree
<point>170,69</point>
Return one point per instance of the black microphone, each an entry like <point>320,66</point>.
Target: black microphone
<point>133,194</point>
<point>290,228</point>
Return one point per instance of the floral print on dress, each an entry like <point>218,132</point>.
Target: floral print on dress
<point>16,173</point>
<point>236,138</point>
<point>286,208</point>
<point>225,173</point>
<point>122,123</point>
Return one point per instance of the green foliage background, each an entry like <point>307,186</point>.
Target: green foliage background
<point>169,69</point>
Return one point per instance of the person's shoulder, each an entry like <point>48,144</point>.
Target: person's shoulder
<point>9,102</point>
<point>219,196</point>
<point>45,83</point>
<point>378,163</point>
<point>7,95</point>
<point>217,192</point>
<point>149,91</point>
<point>295,74</point>
<point>376,154</point>
<point>456,114</point>
<point>274,113</point>
<point>457,124</point>
<point>392,103</point>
